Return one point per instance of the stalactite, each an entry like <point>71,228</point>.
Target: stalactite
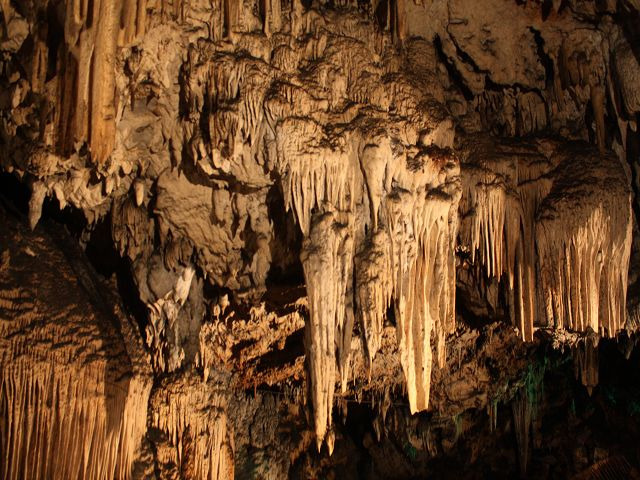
<point>74,381</point>
<point>344,333</point>
<point>131,229</point>
<point>492,411</point>
<point>533,186</point>
<point>327,257</point>
<point>598,105</point>
<point>627,74</point>
<point>138,188</point>
<point>222,107</point>
<point>38,193</point>
<point>163,314</point>
<point>400,19</point>
<point>503,188</point>
<point>514,207</point>
<point>134,18</point>
<point>585,360</point>
<point>314,174</point>
<point>87,84</point>
<point>193,415</point>
<point>422,228</point>
<point>420,249</point>
<point>522,417</point>
<point>374,289</point>
<point>583,238</point>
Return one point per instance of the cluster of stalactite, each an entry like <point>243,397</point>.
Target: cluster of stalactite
<point>179,120</point>
<point>74,380</point>
<point>554,222</point>
<point>192,415</point>
<point>349,188</point>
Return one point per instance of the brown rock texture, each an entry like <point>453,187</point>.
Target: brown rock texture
<point>297,206</point>
<point>74,377</point>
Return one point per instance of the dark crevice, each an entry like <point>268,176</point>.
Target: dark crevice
<point>547,7</point>
<point>465,57</point>
<point>15,193</point>
<point>99,250</point>
<point>454,75</point>
<point>293,349</point>
<point>285,245</point>
<point>633,159</point>
<point>55,37</point>
<point>545,59</point>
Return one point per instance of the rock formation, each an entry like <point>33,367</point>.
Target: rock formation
<point>288,195</point>
<point>74,377</point>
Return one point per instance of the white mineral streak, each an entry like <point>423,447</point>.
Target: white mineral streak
<point>327,257</point>
<point>583,239</point>
<point>193,415</point>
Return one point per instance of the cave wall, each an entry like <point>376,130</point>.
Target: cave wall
<point>327,198</point>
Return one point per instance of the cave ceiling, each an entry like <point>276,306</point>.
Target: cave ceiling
<point>330,202</point>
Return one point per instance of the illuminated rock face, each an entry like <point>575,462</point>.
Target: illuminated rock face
<point>74,376</point>
<point>372,150</point>
<point>545,218</point>
<point>192,415</point>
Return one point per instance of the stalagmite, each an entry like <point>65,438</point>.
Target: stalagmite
<point>327,256</point>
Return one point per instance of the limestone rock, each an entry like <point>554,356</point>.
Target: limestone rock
<point>72,366</point>
<point>291,195</point>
